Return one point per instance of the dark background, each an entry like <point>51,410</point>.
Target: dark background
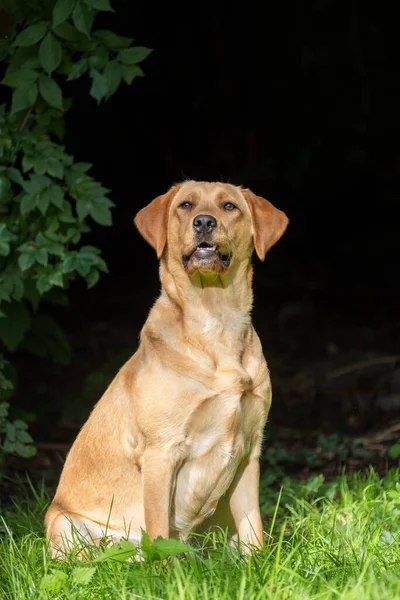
<point>300,101</point>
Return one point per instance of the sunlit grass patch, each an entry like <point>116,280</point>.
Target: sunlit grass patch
<point>323,541</point>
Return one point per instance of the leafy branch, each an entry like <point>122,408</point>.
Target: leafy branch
<point>47,200</point>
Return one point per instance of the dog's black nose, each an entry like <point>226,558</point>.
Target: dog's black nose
<point>204,224</point>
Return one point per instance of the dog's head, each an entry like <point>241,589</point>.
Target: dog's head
<point>208,227</point>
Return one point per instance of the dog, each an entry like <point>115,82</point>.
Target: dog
<point>173,445</point>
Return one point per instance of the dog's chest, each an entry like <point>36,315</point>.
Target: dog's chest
<point>220,434</point>
<point>223,425</point>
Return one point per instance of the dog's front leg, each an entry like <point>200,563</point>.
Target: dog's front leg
<point>245,506</point>
<point>157,472</point>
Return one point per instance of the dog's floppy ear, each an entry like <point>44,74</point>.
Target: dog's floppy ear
<point>152,220</point>
<point>268,222</point>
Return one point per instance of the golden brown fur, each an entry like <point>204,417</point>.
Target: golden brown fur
<point>173,445</point>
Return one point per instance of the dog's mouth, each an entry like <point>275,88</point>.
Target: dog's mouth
<point>207,256</point>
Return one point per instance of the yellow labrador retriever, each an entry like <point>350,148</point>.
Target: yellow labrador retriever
<point>173,445</point>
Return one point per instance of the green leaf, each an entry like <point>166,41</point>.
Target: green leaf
<point>29,451</point>
<point>50,91</point>
<point>56,277</point>
<point>66,215</point>
<point>43,284</point>
<point>25,58</point>
<point>83,17</point>
<point>24,97</point>
<point>162,548</point>
<point>4,406</point>
<point>11,432</point>
<point>33,61</point>
<point>50,245</point>
<point>82,268</point>
<point>32,34</point>
<point>40,165</point>
<point>27,163</point>
<point>5,234</point>
<point>113,76</point>
<point>20,78</point>
<point>52,583</point>
<point>53,225</point>
<point>61,11</point>
<point>145,542</point>
<point>91,199</point>
<point>8,447</point>
<point>17,285</point>
<point>43,201</point>
<point>92,251</point>
<point>52,195</point>
<point>36,184</point>
<point>4,249</point>
<point>70,262</point>
<point>99,5</point>
<point>28,203</point>
<point>14,175</point>
<point>92,278</point>
<point>26,260</point>
<point>5,289</point>
<point>15,324</point>
<point>76,172</point>
<point>81,167</point>
<point>78,69</point>
<point>98,58</point>
<point>83,575</point>
<point>111,39</point>
<point>133,56</point>
<point>83,261</point>
<point>50,53</point>
<point>55,168</point>
<point>5,238</point>
<point>129,72</point>
<point>19,424</point>
<point>57,196</point>
<point>68,32</point>
<point>24,451</point>
<point>23,436</point>
<point>48,157</point>
<point>168,547</point>
<point>82,208</point>
<point>119,552</point>
<point>101,214</point>
<point>99,86</point>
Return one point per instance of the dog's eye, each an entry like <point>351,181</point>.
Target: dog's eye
<point>229,206</point>
<point>186,205</point>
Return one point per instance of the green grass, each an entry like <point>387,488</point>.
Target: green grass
<point>324,541</point>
